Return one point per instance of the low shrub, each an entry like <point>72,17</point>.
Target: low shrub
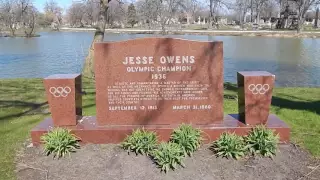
<point>168,156</point>
<point>262,141</point>
<point>187,137</point>
<point>140,142</point>
<point>59,142</point>
<point>229,145</point>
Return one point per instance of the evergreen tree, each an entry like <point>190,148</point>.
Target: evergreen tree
<point>132,15</point>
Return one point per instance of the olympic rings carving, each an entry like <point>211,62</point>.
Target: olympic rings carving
<point>60,91</point>
<point>259,88</point>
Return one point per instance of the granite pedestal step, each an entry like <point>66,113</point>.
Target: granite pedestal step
<point>88,130</point>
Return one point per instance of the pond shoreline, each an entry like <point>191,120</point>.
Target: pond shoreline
<point>19,35</point>
<point>263,33</point>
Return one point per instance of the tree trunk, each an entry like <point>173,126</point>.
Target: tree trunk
<point>317,19</point>
<point>88,68</point>
<point>300,25</point>
<point>30,27</point>
<point>251,13</point>
<point>149,24</point>
<point>242,19</point>
<point>29,34</point>
<point>57,28</point>
<point>188,19</point>
<point>12,30</point>
<point>301,20</point>
<point>285,26</point>
<point>163,27</point>
<point>258,16</point>
<point>210,15</point>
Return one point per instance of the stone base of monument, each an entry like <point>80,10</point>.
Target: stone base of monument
<point>159,83</point>
<point>89,132</point>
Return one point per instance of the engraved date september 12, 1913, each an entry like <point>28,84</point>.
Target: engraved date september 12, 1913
<point>176,107</point>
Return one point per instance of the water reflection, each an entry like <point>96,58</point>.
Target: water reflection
<point>294,61</point>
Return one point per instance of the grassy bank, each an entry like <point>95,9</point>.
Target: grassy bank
<point>23,105</point>
<point>18,34</point>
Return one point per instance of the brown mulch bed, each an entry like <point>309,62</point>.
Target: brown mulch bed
<point>109,162</point>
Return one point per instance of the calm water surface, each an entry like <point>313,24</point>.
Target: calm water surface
<point>294,61</point>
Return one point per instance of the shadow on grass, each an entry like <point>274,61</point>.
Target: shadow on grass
<point>230,86</point>
<point>313,106</point>
<point>233,90</point>
<point>32,107</point>
<point>280,100</point>
<point>89,96</point>
<point>277,101</point>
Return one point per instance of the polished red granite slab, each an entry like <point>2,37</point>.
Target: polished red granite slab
<point>115,63</point>
<point>88,130</point>
<point>63,92</point>
<point>254,96</point>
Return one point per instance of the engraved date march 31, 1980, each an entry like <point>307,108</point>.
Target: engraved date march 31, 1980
<point>195,107</point>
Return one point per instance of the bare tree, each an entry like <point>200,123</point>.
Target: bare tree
<point>23,6</point>
<point>160,12</point>
<point>117,13</point>
<point>166,9</point>
<point>302,7</point>
<point>1,21</point>
<point>214,6</point>
<point>91,11</point>
<point>258,5</point>
<point>9,13</point>
<point>76,14</point>
<point>27,14</point>
<point>190,7</point>
<point>242,7</point>
<point>18,14</point>
<point>131,15</point>
<point>269,9</point>
<point>147,11</point>
<point>53,14</point>
<point>29,20</point>
<point>88,69</point>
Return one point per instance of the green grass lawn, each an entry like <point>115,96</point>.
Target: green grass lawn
<point>23,105</point>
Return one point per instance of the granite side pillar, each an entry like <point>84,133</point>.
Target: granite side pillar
<point>255,94</point>
<point>64,97</point>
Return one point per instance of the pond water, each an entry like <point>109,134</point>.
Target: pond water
<point>294,61</point>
